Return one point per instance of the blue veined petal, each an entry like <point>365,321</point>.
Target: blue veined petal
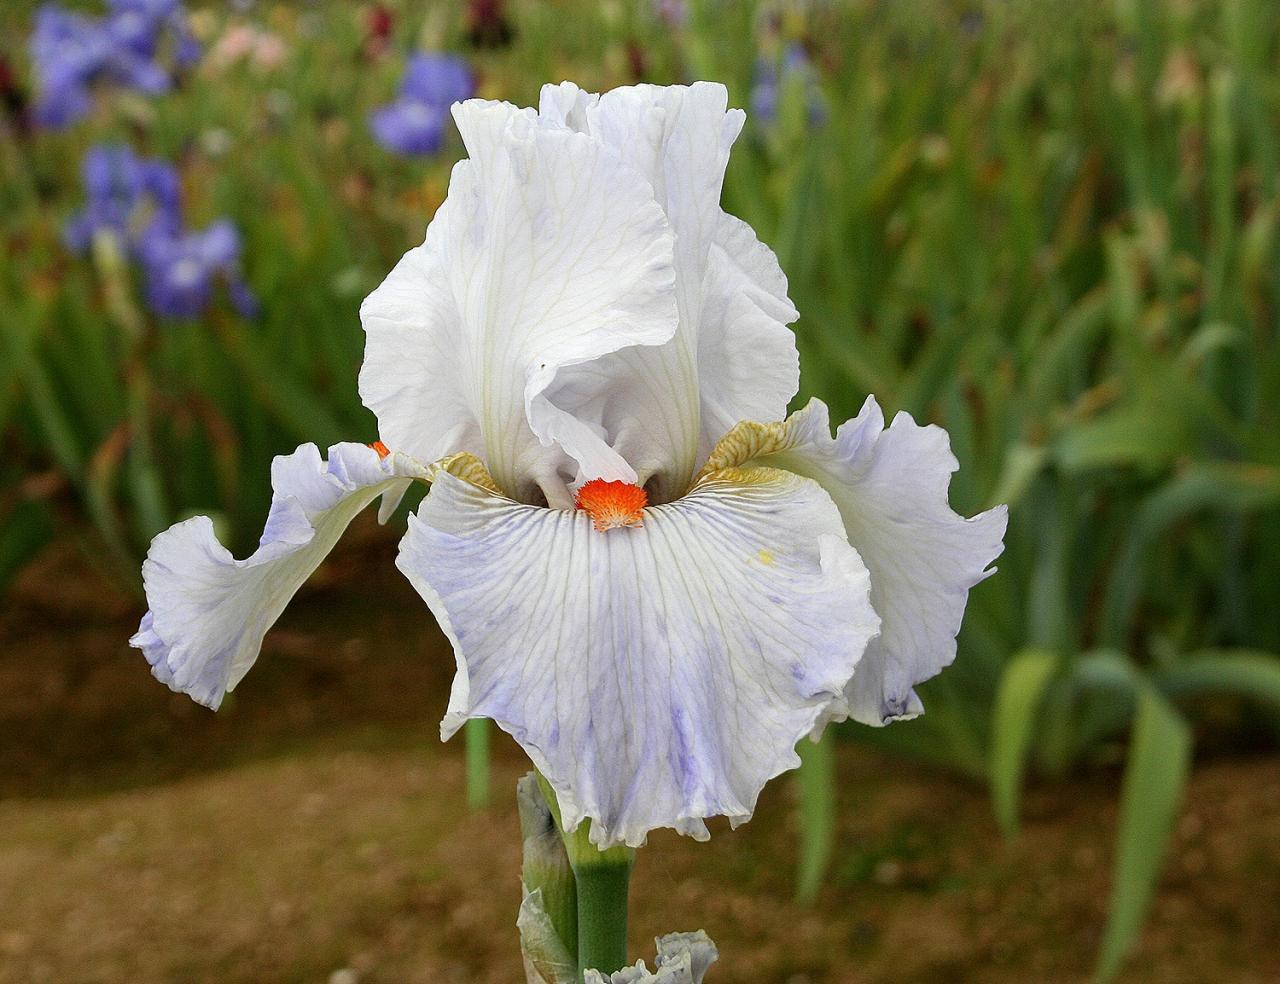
<point>208,611</point>
<point>656,676</point>
<point>683,958</point>
<point>890,485</point>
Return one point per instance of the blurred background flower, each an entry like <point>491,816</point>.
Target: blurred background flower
<point>74,53</point>
<point>182,268</point>
<point>125,195</point>
<point>415,122</point>
<point>779,75</point>
<point>144,26</point>
<point>488,25</point>
<point>242,41</point>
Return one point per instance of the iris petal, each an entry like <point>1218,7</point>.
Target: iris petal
<point>656,676</point>
<point>733,357</point>
<point>890,485</point>
<point>208,611</point>
<point>549,253</point>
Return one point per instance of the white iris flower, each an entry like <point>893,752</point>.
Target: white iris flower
<point>584,326</point>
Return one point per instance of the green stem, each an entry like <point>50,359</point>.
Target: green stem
<point>816,786</point>
<point>477,742</point>
<point>603,880</point>
<point>602,915</point>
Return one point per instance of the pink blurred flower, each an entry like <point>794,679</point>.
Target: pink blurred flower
<point>245,41</point>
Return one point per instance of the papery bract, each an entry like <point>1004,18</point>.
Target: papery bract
<point>683,958</point>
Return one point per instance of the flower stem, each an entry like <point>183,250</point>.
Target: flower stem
<point>816,788</point>
<point>477,741</point>
<point>603,882</point>
<point>602,915</point>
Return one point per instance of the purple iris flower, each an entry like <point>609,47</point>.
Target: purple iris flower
<point>774,75</point>
<point>139,26</point>
<point>124,192</point>
<point>181,267</point>
<point>71,52</point>
<point>415,122</point>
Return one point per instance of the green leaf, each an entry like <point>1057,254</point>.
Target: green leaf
<point>1225,486</point>
<point>1135,436</point>
<point>1159,760</point>
<point>1255,676</point>
<point>1022,463</point>
<point>1022,688</point>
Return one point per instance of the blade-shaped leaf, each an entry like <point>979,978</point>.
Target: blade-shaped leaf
<point>1022,687</point>
<point>1224,486</point>
<point>1159,759</point>
<point>1254,676</point>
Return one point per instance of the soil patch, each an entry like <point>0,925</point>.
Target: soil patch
<point>316,825</point>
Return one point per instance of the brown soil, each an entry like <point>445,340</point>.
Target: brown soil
<point>313,830</point>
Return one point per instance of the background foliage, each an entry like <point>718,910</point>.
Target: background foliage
<point>1048,226</point>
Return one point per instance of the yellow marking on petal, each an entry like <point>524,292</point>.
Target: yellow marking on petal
<point>746,440</point>
<point>612,504</point>
<point>766,557</point>
<point>740,477</point>
<point>466,466</point>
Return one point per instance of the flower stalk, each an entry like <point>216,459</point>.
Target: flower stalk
<point>816,808</point>
<point>477,756</point>
<point>603,888</point>
<point>603,882</point>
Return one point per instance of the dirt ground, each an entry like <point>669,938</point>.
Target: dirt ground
<point>313,830</point>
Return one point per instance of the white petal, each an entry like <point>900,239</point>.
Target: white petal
<point>656,676</point>
<point>748,366</point>
<point>891,489</point>
<point>414,377</point>
<point>208,611</point>
<point>678,137</point>
<point>550,252</point>
<point>566,105</point>
<point>683,958</point>
<point>733,358</point>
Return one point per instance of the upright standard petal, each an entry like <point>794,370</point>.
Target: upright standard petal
<point>655,675</point>
<point>748,365</point>
<point>734,357</point>
<point>891,488</point>
<point>209,612</point>
<point>549,253</point>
